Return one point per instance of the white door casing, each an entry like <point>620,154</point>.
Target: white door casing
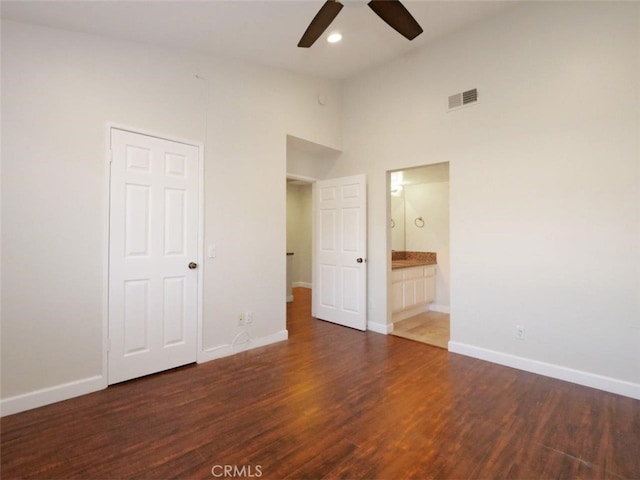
<point>153,237</point>
<point>340,244</point>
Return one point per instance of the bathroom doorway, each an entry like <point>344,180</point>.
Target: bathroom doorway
<point>418,200</point>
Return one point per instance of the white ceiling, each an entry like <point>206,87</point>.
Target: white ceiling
<point>265,32</point>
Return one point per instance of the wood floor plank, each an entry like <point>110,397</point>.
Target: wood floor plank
<point>331,402</point>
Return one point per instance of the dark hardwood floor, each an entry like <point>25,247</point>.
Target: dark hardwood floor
<point>331,403</point>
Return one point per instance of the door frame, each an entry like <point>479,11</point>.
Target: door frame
<point>313,181</point>
<point>107,214</point>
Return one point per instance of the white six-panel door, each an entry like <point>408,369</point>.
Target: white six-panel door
<point>340,242</point>
<point>153,291</point>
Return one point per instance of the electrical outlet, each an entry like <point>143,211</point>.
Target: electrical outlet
<point>519,332</point>
<point>241,320</point>
<point>248,318</point>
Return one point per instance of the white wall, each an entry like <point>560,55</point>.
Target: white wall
<point>59,90</point>
<point>431,202</point>
<point>544,178</point>
<point>309,160</point>
<point>299,212</point>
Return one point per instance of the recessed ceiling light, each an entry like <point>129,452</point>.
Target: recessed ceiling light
<point>334,37</point>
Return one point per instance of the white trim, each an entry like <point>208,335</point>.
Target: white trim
<point>302,178</point>
<point>105,258</point>
<point>200,254</point>
<point>201,247</point>
<point>380,327</point>
<point>289,298</point>
<point>301,285</point>
<point>46,396</point>
<point>435,307</point>
<point>151,133</point>
<point>608,384</point>
<point>233,348</point>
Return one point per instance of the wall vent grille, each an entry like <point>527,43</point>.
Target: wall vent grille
<point>463,99</point>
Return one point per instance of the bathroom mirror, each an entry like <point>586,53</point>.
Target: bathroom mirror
<point>413,201</point>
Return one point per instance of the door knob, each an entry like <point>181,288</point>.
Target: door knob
<point>193,265</point>
<point>359,260</point>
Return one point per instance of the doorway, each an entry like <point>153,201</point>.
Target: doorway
<point>418,233</point>
<point>306,162</point>
<point>338,216</point>
<point>299,234</point>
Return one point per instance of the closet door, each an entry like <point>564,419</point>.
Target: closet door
<point>153,243</point>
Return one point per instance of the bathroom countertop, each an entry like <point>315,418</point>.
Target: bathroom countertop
<point>396,264</point>
<point>412,259</point>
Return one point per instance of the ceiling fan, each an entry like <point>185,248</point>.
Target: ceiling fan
<point>391,11</point>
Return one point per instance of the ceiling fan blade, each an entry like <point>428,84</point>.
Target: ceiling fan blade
<point>320,22</point>
<point>397,16</point>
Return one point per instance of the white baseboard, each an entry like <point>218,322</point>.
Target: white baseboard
<point>434,307</point>
<point>250,343</point>
<point>380,327</point>
<point>301,284</point>
<point>289,298</point>
<point>46,396</point>
<point>608,384</point>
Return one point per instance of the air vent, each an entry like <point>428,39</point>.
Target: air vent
<point>463,99</point>
<point>470,96</point>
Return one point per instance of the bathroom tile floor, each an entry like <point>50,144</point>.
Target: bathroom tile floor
<point>431,328</point>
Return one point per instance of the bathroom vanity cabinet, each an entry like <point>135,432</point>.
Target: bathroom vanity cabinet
<point>413,289</point>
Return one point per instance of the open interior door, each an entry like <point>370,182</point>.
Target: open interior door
<point>339,251</point>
